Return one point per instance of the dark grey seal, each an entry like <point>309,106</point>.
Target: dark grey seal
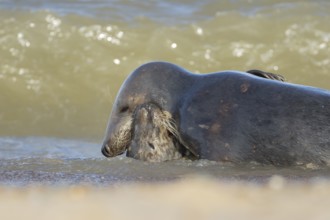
<point>163,112</point>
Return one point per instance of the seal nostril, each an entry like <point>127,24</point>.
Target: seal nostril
<point>151,146</point>
<point>106,151</point>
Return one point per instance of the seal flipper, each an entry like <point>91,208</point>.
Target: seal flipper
<point>267,75</point>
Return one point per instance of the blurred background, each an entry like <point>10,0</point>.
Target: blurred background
<point>62,62</point>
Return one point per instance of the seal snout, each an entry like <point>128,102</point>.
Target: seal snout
<point>106,150</point>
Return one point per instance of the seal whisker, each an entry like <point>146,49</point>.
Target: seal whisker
<point>171,125</point>
<point>122,137</point>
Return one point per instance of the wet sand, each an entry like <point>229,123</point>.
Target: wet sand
<point>192,198</point>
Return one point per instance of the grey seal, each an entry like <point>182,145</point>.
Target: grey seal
<point>164,112</point>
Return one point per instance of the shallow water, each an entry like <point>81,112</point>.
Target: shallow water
<point>62,63</point>
<point>57,162</point>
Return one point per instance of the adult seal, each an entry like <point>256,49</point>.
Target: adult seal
<point>163,112</point>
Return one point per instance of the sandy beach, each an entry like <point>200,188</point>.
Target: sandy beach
<point>192,198</point>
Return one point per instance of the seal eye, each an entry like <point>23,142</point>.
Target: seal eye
<point>123,109</point>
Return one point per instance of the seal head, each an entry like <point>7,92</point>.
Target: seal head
<point>144,116</point>
<point>155,137</point>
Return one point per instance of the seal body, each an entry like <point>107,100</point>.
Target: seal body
<point>226,116</point>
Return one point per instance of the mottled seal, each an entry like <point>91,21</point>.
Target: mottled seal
<point>164,112</point>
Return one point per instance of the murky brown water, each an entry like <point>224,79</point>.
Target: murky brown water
<point>62,62</point>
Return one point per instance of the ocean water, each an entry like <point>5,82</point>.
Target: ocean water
<point>62,62</point>
<point>61,162</point>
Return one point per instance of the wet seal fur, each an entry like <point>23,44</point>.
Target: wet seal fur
<point>155,136</point>
<point>163,112</point>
